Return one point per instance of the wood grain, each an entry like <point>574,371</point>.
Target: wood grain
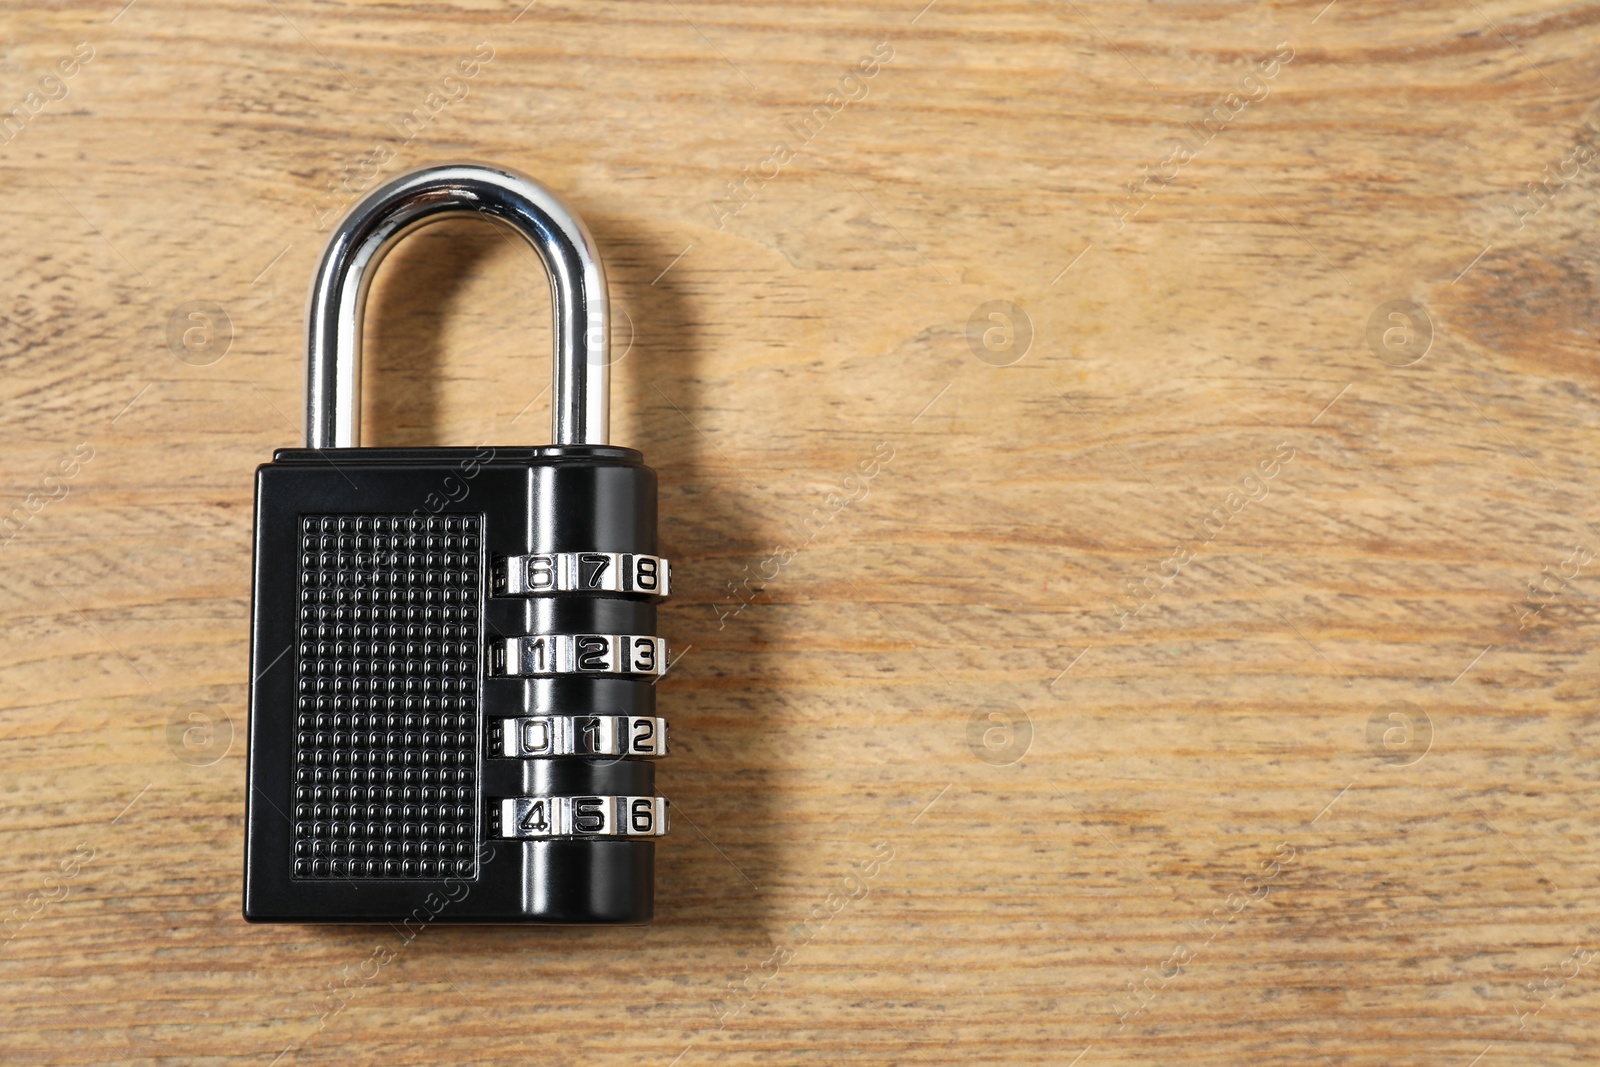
<point>1071,739</point>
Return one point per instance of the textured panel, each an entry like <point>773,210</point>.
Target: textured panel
<point>386,751</point>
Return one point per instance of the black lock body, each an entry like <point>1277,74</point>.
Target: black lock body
<point>452,706</point>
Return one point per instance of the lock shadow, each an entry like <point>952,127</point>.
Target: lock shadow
<point>716,870</point>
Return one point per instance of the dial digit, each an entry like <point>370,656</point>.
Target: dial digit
<point>537,820</point>
<point>646,573</point>
<point>644,736</point>
<point>536,735</point>
<point>588,816</point>
<point>642,815</point>
<point>591,568</point>
<point>587,741</point>
<point>644,654</point>
<point>594,653</point>
<point>541,572</point>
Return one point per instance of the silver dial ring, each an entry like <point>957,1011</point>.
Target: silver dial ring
<point>543,654</point>
<point>584,735</point>
<point>541,817</point>
<point>582,572</point>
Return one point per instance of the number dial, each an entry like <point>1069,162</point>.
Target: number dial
<point>544,654</point>
<point>585,735</point>
<point>583,572</point>
<point>538,817</point>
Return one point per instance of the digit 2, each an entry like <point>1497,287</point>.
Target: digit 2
<point>593,653</point>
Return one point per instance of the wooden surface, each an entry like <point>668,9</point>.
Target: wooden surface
<point>1073,735</point>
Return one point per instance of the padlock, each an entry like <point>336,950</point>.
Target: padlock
<point>454,650</point>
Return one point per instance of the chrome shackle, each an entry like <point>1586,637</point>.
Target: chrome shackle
<point>580,371</point>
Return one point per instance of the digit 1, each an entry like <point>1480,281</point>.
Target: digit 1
<point>538,652</point>
<point>588,735</point>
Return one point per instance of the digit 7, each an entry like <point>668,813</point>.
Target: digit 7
<point>591,568</point>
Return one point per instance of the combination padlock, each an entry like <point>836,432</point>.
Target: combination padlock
<point>454,650</point>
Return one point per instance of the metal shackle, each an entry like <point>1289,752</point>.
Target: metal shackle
<point>580,371</point>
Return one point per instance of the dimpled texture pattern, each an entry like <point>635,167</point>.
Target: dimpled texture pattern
<point>386,747</point>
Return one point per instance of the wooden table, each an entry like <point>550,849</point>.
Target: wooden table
<point>1203,675</point>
